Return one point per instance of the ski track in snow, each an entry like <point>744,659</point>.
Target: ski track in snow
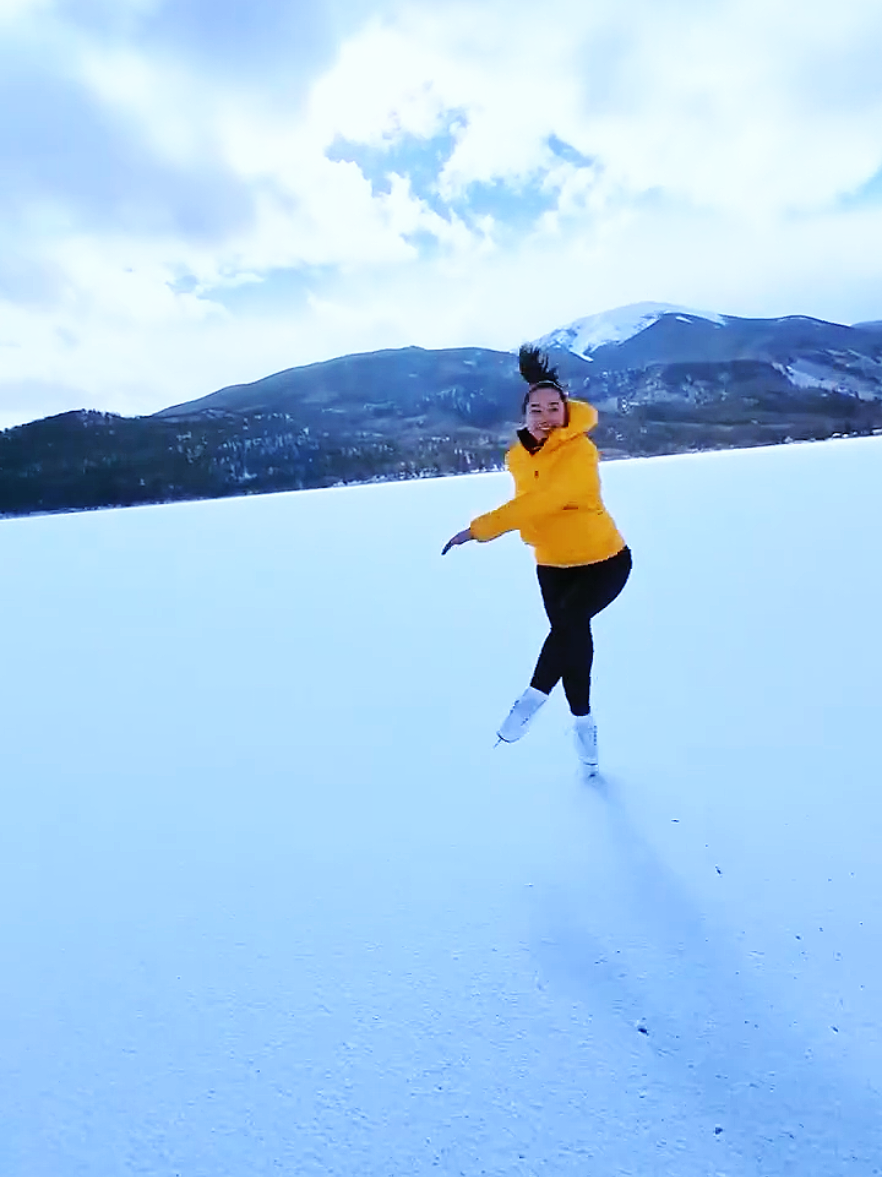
<point>272,901</point>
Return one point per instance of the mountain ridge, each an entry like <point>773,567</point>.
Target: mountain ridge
<point>831,357</point>
<point>664,380</point>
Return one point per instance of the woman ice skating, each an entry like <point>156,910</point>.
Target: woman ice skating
<point>582,560</point>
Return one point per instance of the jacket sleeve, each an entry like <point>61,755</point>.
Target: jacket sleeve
<point>574,483</point>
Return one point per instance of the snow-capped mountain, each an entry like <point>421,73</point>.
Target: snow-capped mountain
<point>656,351</point>
<point>665,379</point>
<point>584,336</point>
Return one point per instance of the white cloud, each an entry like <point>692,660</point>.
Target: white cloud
<point>11,10</point>
<point>723,110</point>
<point>724,138</point>
<point>717,104</point>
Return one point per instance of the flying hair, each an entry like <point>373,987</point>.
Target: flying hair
<point>536,368</point>
<point>539,373</point>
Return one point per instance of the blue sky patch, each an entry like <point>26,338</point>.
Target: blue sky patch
<point>424,242</point>
<point>515,205</point>
<point>868,193</point>
<point>568,153</point>
<point>420,160</point>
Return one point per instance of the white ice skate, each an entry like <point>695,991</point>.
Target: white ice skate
<point>585,730</point>
<point>521,715</point>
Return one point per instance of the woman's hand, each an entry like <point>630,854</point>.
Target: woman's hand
<point>461,537</point>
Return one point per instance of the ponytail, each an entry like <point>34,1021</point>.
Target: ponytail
<point>538,372</point>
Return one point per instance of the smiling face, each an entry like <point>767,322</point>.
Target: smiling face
<point>545,411</point>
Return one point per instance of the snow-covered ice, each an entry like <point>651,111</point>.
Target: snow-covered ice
<point>272,902</point>
<point>586,335</point>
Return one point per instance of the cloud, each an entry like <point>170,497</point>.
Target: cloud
<point>200,193</point>
<point>17,398</point>
<point>13,10</point>
<point>421,158</point>
<point>236,42</point>
<point>725,109</point>
<point>28,280</point>
<point>719,105</point>
<point>869,193</point>
<point>73,161</point>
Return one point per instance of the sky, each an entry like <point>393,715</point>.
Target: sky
<point>195,193</point>
<point>271,901</point>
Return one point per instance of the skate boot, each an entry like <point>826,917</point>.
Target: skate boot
<point>521,715</point>
<point>585,730</point>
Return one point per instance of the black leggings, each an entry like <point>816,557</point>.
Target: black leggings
<point>572,596</point>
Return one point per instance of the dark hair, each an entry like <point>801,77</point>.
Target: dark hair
<point>538,372</point>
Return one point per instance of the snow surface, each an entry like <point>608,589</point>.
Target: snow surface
<point>272,902</point>
<point>584,336</point>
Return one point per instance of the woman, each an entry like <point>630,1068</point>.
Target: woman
<point>583,562</point>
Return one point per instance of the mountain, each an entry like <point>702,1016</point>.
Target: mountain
<point>584,336</point>
<point>640,354</point>
<point>655,340</point>
<point>665,379</point>
<point>409,383</point>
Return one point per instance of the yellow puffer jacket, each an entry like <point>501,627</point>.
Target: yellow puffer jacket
<point>557,505</point>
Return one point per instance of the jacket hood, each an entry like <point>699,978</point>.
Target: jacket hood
<point>583,418</point>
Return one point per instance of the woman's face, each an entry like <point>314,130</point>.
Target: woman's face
<point>545,411</point>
